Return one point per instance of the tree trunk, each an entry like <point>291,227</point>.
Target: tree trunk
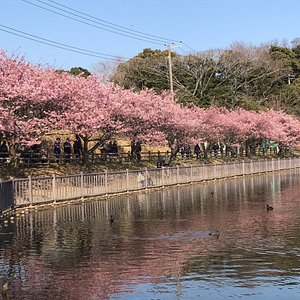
<point>242,148</point>
<point>247,148</point>
<point>85,158</point>
<point>205,151</point>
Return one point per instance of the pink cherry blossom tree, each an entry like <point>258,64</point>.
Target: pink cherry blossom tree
<point>35,100</point>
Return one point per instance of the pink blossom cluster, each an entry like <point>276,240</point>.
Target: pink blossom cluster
<point>35,100</point>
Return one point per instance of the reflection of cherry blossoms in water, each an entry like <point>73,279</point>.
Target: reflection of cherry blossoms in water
<point>161,237</point>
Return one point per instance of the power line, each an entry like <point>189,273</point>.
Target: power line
<point>116,31</point>
<point>163,39</point>
<point>113,24</point>
<point>57,44</point>
<point>189,47</point>
<point>184,51</point>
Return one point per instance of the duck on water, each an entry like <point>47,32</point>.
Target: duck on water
<point>215,233</point>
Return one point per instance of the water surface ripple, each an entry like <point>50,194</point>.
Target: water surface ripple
<point>159,246</point>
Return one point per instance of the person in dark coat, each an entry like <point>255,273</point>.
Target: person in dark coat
<point>114,148</point>
<point>132,149</point>
<point>197,150</point>
<point>77,148</point>
<point>138,151</point>
<point>3,152</point>
<point>57,149</point>
<point>67,150</point>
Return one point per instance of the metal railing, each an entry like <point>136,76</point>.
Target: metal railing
<point>31,191</point>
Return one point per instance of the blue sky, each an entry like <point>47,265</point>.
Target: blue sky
<point>200,24</point>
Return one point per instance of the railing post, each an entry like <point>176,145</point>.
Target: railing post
<point>30,190</point>
<point>146,178</point>
<point>215,172</point>
<point>243,168</point>
<point>54,188</point>
<point>127,180</point>
<point>162,170</point>
<point>106,182</point>
<point>191,174</point>
<point>177,174</point>
<point>81,185</point>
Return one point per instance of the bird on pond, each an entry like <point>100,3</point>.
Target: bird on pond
<point>215,233</point>
<point>111,219</point>
<point>269,207</point>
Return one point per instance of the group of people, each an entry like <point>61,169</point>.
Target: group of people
<point>64,150</point>
<point>186,151</point>
<point>109,150</point>
<point>73,151</point>
<point>66,147</point>
<point>111,147</point>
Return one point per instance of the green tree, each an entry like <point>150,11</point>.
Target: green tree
<point>243,75</point>
<point>148,69</point>
<point>75,71</point>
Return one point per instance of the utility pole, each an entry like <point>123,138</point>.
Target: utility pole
<point>169,47</point>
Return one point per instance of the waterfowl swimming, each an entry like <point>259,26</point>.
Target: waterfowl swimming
<point>111,219</point>
<point>215,233</point>
<point>269,207</point>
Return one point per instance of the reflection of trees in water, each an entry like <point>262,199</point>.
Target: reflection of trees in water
<point>266,243</point>
<point>245,265</point>
<point>159,233</point>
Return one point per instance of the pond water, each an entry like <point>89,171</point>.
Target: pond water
<point>158,245</point>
